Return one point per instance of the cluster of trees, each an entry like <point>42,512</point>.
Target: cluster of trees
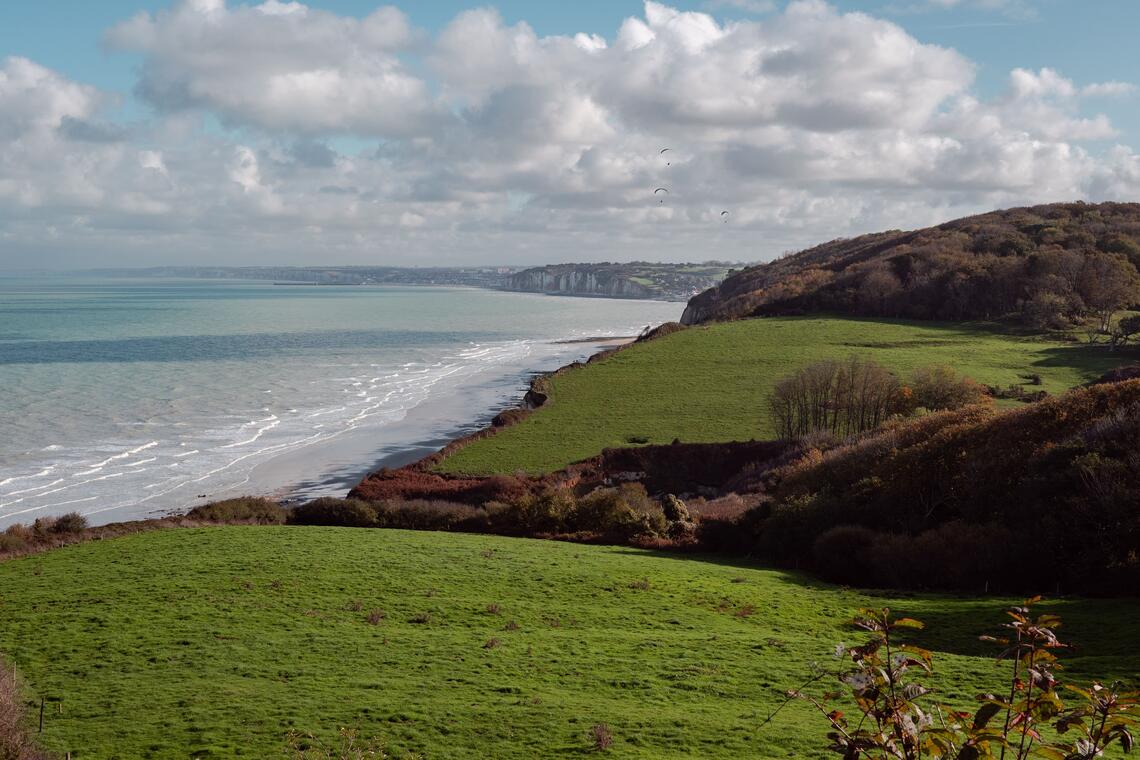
<point>1047,267</point>
<point>900,507</point>
<point>844,398</point>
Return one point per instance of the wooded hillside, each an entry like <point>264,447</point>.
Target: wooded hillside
<point>1044,266</point>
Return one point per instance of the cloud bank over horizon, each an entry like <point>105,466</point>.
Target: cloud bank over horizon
<point>282,133</point>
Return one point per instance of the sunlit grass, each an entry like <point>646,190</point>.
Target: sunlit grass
<point>218,642</point>
<point>709,384</point>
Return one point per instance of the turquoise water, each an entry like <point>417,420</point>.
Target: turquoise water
<point>128,398</point>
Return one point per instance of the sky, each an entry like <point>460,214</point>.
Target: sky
<point>448,133</point>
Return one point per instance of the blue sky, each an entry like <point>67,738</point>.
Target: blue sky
<point>1086,39</point>
<point>1073,115</point>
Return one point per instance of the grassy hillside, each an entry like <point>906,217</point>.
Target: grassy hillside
<point>710,383</point>
<point>217,642</point>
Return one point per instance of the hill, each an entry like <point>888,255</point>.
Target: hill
<point>1045,266</point>
<point>219,642</point>
<point>639,279</point>
<point>711,383</point>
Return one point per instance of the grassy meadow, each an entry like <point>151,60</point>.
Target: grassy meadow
<point>217,642</point>
<point>711,383</point>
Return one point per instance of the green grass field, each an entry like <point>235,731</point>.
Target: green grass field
<point>217,642</point>
<point>709,384</point>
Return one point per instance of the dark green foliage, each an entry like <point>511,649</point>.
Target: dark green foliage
<point>621,513</point>
<point>351,513</point>
<point>1059,478</point>
<point>843,554</point>
<point>72,522</point>
<point>245,509</point>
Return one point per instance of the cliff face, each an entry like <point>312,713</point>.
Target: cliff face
<point>635,279</point>
<point>579,282</point>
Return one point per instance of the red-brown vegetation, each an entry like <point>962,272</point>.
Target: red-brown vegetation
<point>15,739</point>
<point>1045,266</point>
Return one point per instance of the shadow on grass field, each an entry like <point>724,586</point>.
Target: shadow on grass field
<point>218,642</point>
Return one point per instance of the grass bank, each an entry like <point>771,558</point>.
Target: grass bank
<point>217,642</point>
<point>711,383</point>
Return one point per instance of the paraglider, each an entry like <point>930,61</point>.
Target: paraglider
<point>724,216</point>
<point>662,153</point>
<point>661,190</point>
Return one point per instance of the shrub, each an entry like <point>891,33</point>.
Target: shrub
<point>244,509</point>
<point>842,554</point>
<point>896,715</point>
<point>601,736</point>
<point>940,387</point>
<point>72,522</point>
<point>12,542</point>
<point>15,742</point>
<point>351,513</point>
<point>620,513</point>
<point>552,510</point>
<point>423,514</point>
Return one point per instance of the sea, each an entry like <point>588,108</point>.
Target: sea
<point>132,398</point>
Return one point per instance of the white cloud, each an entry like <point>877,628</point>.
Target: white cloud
<point>36,98</point>
<point>281,66</point>
<point>498,144</point>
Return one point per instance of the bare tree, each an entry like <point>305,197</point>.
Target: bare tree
<point>840,397</point>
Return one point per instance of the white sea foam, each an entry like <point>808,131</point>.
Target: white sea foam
<point>227,418</point>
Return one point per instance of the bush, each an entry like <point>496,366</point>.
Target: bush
<point>422,514</point>
<point>550,511</point>
<point>938,388</point>
<point>72,522</point>
<point>351,513</point>
<point>842,554</point>
<point>934,558</point>
<point>244,509</point>
<point>10,542</point>
<point>15,742</point>
<point>620,513</point>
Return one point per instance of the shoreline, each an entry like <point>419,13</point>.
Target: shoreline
<point>408,446</point>
<point>281,464</point>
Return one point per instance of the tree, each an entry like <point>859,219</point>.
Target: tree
<point>1107,284</point>
<point>1125,330</point>
<point>840,397</point>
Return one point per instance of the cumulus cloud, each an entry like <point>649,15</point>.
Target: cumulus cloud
<point>489,142</point>
<point>281,66</point>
